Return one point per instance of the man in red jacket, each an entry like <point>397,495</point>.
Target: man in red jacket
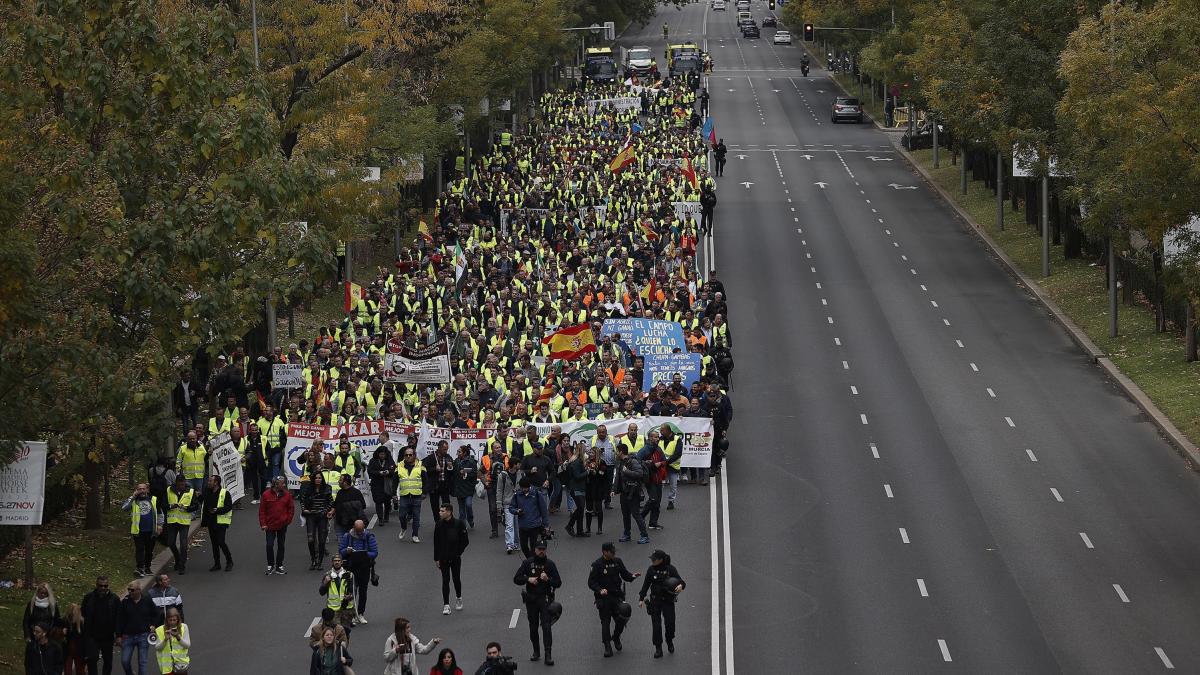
<point>275,513</point>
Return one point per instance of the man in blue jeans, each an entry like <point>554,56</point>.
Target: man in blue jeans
<point>135,617</point>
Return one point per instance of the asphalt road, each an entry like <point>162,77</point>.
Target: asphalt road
<point>925,474</point>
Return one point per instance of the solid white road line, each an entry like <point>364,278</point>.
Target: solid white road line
<point>921,587</point>
<point>904,535</point>
<point>1057,497</point>
<point>853,390</point>
<point>512,623</point>
<point>728,571</point>
<point>1032,457</point>
<point>1121,593</point>
<point>1086,540</point>
<point>374,519</point>
<point>945,651</point>
<point>887,490</point>
<point>1163,657</point>
<point>874,451</point>
<point>715,638</point>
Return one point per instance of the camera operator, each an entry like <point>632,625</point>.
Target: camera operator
<point>496,663</point>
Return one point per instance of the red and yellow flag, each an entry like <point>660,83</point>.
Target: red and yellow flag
<point>648,230</point>
<point>623,159</point>
<point>354,293</point>
<point>689,172</point>
<point>649,292</point>
<point>423,230</point>
<point>571,343</point>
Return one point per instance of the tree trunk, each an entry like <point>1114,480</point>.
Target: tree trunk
<point>1189,333</point>
<point>93,475</point>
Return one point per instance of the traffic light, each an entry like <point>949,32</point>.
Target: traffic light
<point>771,5</point>
<point>809,32</point>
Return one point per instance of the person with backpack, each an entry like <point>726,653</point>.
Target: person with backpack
<point>655,463</point>
<point>629,484</point>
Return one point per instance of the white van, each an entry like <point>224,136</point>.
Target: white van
<point>743,15</point>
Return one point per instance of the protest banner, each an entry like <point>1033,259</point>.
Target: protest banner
<point>287,375</point>
<point>23,486</point>
<point>300,438</point>
<point>646,336</point>
<point>663,367</point>
<point>620,104</point>
<point>697,430</point>
<point>417,365</point>
<point>697,448</point>
<point>664,161</point>
<point>684,209</point>
<point>224,461</point>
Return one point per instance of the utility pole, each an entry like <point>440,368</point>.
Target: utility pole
<point>1046,222</point>
<point>1112,288</point>
<point>999,189</point>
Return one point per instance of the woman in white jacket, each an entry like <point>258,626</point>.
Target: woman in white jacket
<point>401,649</point>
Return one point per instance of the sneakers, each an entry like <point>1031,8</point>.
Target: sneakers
<point>617,642</point>
<point>416,539</point>
<point>670,506</point>
<point>270,570</point>
<point>354,620</point>
<point>643,540</point>
<point>253,501</point>
<point>655,526</point>
<point>402,534</point>
<point>624,538</point>
<point>362,620</point>
<point>508,551</point>
<point>446,609</point>
<point>280,570</point>
<point>494,536</point>
<point>458,604</point>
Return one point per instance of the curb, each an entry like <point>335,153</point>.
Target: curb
<point>1185,448</point>
<point>162,559</point>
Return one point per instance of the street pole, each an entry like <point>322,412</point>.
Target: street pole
<point>1112,288</point>
<point>1046,224</point>
<point>936,161</point>
<point>962,168</point>
<point>999,190</point>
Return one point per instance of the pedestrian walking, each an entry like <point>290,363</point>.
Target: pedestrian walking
<point>401,648</point>
<point>708,207</point>
<point>576,475</point>
<point>607,582</point>
<point>99,609</point>
<point>275,513</point>
<point>494,463</point>
<point>381,471</point>
<point>507,485</point>
<point>655,464</point>
<point>466,479</point>
<point>411,487</point>
<point>660,590</point>
<point>540,577</point>
<point>145,524</point>
<point>173,642</point>
<point>43,656</point>
<point>330,657</point>
<point>532,514</point>
<point>74,641</point>
<point>359,553</point>
<point>317,508</point>
<point>136,617</point>
<point>338,588</point>
<point>630,485</point>
<point>182,504</point>
<point>439,476</point>
<point>42,609</point>
<point>329,619</point>
<point>164,596</point>
<point>672,448</point>
<point>598,487</point>
<point>719,156</point>
<point>217,516</point>
<point>450,539</point>
<point>349,506</point>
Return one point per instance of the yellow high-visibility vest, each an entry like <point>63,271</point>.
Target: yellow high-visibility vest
<point>340,589</point>
<point>411,480</point>
<point>173,656</point>
<point>135,516</point>
<point>227,517</point>
<point>178,505</point>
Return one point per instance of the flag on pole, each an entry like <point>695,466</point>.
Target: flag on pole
<point>354,294</point>
<point>571,343</point>
<point>623,159</point>
<point>709,130</point>
<point>423,230</point>
<point>648,230</point>
<point>460,262</point>
<point>649,292</point>
<point>690,172</point>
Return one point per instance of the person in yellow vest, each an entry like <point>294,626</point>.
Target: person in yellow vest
<point>172,642</point>
<point>410,486</point>
<point>190,463</point>
<point>338,588</point>
<point>672,449</point>
<point>217,516</point>
<point>145,523</point>
<point>181,504</point>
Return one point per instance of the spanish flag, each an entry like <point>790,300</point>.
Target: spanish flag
<point>570,343</point>
<point>423,230</point>
<point>649,293</point>
<point>354,294</point>
<point>689,172</point>
<point>648,230</point>
<point>623,159</point>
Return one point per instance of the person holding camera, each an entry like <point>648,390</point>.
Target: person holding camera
<point>172,641</point>
<point>532,511</point>
<point>658,595</point>
<point>540,577</point>
<point>496,663</point>
<point>338,588</point>
<point>401,649</point>
<point>607,581</point>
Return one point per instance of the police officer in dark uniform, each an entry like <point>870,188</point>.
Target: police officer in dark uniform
<point>540,577</point>
<point>659,591</point>
<point>607,581</point>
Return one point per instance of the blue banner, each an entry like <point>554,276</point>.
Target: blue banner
<point>663,367</point>
<point>646,336</point>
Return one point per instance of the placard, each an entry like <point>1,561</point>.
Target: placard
<point>287,375</point>
<point>23,486</point>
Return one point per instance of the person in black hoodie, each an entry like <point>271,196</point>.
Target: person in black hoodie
<point>450,539</point>
<point>659,599</point>
<point>42,655</point>
<point>99,609</point>
<point>348,506</point>
<point>381,470</point>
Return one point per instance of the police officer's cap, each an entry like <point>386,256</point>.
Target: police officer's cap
<point>541,544</point>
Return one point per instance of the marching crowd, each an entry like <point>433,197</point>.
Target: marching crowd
<point>568,225</point>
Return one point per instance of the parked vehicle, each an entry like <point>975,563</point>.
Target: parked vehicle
<point>846,108</point>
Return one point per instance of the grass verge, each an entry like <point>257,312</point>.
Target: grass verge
<point>1151,359</point>
<point>68,558</point>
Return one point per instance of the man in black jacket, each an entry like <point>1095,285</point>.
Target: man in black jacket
<point>439,476</point>
<point>659,599</point>
<point>99,609</point>
<point>136,616</point>
<point>185,399</point>
<point>540,577</point>
<point>450,539</point>
<point>348,506</point>
<point>607,581</point>
<point>538,466</point>
<point>708,205</point>
<point>630,485</point>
